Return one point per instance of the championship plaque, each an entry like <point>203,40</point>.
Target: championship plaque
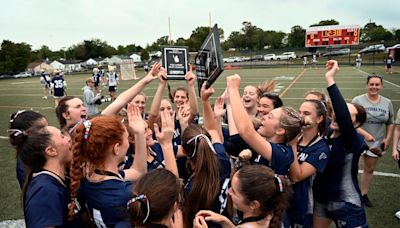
<point>209,63</point>
<point>175,62</point>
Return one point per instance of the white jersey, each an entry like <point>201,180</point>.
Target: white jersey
<point>112,79</point>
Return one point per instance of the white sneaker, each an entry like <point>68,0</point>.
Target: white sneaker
<point>397,214</point>
<point>44,97</point>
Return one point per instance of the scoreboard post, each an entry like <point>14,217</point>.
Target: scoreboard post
<point>332,35</point>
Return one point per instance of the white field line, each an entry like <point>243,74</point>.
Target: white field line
<point>391,83</point>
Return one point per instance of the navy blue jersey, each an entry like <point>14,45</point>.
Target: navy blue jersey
<point>20,169</point>
<point>46,201</point>
<point>58,82</point>
<point>339,180</point>
<point>281,159</point>
<point>316,154</point>
<point>224,174</point>
<point>45,79</point>
<point>106,200</point>
<point>96,77</point>
<point>234,144</point>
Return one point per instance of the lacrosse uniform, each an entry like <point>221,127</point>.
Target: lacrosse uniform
<point>45,80</point>
<point>106,200</point>
<point>281,159</point>
<point>336,191</point>
<point>379,115</point>
<point>224,172</point>
<point>112,81</point>
<point>389,61</point>
<point>59,85</point>
<point>46,201</point>
<point>301,207</point>
<point>96,79</point>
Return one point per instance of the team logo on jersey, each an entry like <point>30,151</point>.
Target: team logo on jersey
<point>322,156</point>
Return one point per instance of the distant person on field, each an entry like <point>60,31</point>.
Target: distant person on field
<point>96,79</point>
<point>305,61</point>
<point>389,61</point>
<point>113,81</point>
<point>58,85</point>
<point>46,81</point>
<point>358,61</point>
<point>314,61</point>
<point>89,99</point>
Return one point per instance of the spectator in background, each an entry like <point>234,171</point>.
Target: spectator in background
<point>358,61</point>
<point>389,61</point>
<point>305,61</point>
<point>89,99</point>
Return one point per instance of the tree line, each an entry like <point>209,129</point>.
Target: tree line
<point>14,57</point>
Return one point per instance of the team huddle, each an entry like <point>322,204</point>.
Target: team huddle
<point>248,161</point>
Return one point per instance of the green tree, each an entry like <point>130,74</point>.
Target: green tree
<point>325,22</point>
<point>296,36</point>
<point>375,33</point>
<point>198,36</point>
<point>156,46</point>
<point>91,49</point>
<point>181,42</point>
<point>144,54</point>
<point>14,57</point>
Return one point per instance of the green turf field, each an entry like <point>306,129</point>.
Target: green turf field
<point>293,82</point>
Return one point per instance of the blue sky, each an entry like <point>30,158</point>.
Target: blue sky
<point>62,23</point>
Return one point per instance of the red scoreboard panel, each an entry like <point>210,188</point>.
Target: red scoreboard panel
<point>332,35</point>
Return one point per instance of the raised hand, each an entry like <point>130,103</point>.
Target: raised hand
<point>153,73</point>
<point>183,115</point>
<point>233,81</point>
<point>190,77</point>
<point>167,128</point>
<point>332,67</point>
<point>135,119</point>
<point>219,110</point>
<point>206,93</point>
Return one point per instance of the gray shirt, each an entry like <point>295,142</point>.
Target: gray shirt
<point>378,116</point>
<point>88,100</point>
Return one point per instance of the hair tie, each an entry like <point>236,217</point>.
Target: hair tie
<point>279,183</point>
<point>15,132</point>
<point>195,139</point>
<point>16,114</point>
<point>87,124</point>
<point>141,198</point>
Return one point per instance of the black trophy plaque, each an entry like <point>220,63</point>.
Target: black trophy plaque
<point>175,62</point>
<point>209,63</point>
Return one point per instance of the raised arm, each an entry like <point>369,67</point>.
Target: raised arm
<point>208,114</point>
<point>243,122</point>
<point>164,137</point>
<point>138,126</point>
<point>194,107</point>
<point>342,114</point>
<point>125,97</point>
<point>155,105</point>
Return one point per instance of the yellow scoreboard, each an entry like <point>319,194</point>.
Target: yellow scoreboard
<point>332,35</point>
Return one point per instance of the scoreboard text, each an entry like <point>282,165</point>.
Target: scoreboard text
<point>333,35</point>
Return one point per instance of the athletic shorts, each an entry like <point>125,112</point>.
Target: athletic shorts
<point>111,89</point>
<point>48,86</point>
<point>345,215</point>
<point>370,154</point>
<point>388,66</point>
<point>96,84</point>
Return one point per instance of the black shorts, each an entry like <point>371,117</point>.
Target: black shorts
<point>111,89</point>
<point>96,84</point>
<point>388,66</point>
